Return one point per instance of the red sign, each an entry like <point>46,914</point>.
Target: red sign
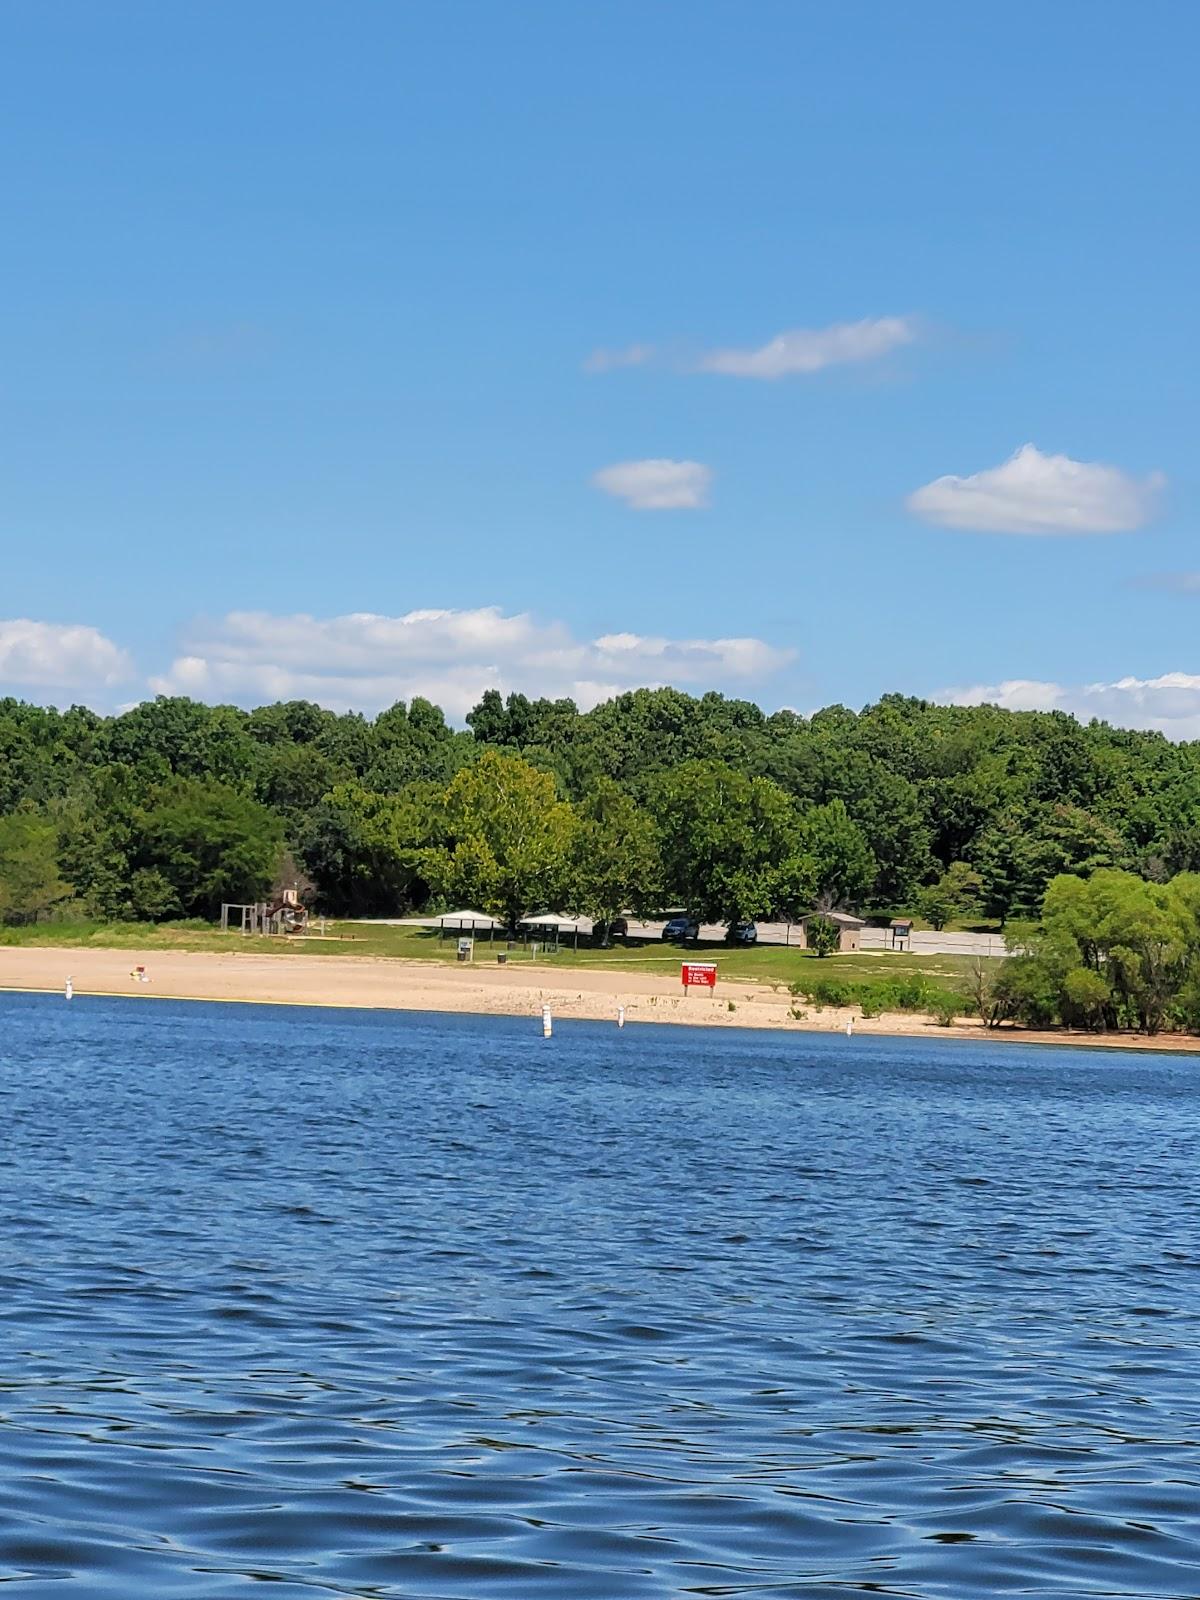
<point>701,974</point>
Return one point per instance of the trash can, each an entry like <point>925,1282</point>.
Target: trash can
<point>501,958</point>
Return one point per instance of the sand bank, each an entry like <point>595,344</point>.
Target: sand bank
<point>398,985</point>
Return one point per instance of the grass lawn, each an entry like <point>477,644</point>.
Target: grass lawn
<point>763,964</point>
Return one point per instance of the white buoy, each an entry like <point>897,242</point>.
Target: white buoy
<point>620,1016</point>
<point>547,1023</point>
<point>69,990</point>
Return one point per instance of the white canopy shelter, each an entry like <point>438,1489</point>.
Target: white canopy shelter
<point>554,921</point>
<point>468,921</point>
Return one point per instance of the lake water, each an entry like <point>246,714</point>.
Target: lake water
<point>298,1304</point>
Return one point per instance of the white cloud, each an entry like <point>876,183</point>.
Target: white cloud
<point>1039,494</point>
<point>689,660</point>
<point>657,485</point>
<point>1014,694</point>
<point>633,355</point>
<point>1170,703</point>
<point>364,661</point>
<point>811,349</point>
<point>57,656</point>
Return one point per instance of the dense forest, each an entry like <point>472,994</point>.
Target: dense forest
<point>650,800</point>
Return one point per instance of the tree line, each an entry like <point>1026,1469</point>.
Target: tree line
<point>653,799</point>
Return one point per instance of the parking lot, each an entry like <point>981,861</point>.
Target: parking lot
<point>925,943</point>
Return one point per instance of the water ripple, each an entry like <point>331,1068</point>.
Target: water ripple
<point>381,1306</point>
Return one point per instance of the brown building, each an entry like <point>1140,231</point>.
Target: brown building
<point>848,928</point>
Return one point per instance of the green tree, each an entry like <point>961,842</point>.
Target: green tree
<point>97,823</point>
<point>293,779</point>
<point>616,862</point>
<point>827,762</point>
<point>288,722</point>
<point>43,752</point>
<point>175,736</point>
<point>366,851</point>
<point>1086,998</point>
<point>507,839</point>
<point>1132,936</point>
<point>209,842</point>
<point>957,893</point>
<point>998,859</point>
<point>843,867</point>
<point>1022,851</point>
<point>1028,987</point>
<point>731,845</point>
<point>489,720</point>
<point>413,744</point>
<point>30,883</point>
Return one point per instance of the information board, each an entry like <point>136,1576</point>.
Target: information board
<point>698,974</point>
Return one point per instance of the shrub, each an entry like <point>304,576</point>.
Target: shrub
<point>878,995</point>
<point>947,1008</point>
<point>823,991</point>
<point>1086,997</point>
<point>824,937</point>
<point>152,897</point>
<point>1027,988</point>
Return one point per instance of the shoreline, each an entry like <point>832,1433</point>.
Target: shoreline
<point>393,984</point>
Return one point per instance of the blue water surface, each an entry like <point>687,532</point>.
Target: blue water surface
<point>297,1304</point>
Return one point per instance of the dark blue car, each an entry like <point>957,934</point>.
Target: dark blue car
<point>682,928</point>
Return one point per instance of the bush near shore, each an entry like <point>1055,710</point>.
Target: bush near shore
<point>1111,952</point>
<point>874,996</point>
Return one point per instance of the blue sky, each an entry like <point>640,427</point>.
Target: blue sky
<point>301,318</point>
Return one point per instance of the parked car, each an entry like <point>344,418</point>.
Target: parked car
<point>682,929</point>
<point>742,933</point>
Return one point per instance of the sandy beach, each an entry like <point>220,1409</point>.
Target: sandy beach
<point>398,985</point>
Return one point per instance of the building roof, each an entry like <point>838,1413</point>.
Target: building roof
<point>841,919</point>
